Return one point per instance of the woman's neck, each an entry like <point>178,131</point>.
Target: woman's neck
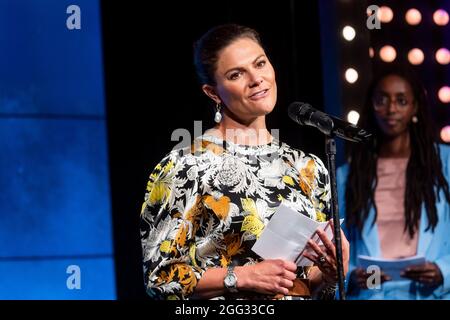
<point>251,132</point>
<point>395,147</point>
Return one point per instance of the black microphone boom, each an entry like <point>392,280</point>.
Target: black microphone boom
<point>305,114</point>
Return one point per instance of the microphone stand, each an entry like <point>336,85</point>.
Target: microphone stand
<point>330,148</point>
<point>331,127</point>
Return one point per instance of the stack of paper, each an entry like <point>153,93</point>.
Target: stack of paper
<point>286,235</point>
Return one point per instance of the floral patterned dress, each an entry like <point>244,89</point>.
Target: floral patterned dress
<point>206,205</point>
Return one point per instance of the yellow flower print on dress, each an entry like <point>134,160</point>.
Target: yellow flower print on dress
<point>288,180</point>
<point>186,277</point>
<point>233,247</point>
<point>158,186</point>
<point>252,223</point>
<point>165,246</point>
<point>181,273</point>
<point>192,256</point>
<point>320,216</point>
<point>159,192</point>
<point>220,207</point>
<point>180,239</point>
<point>195,214</point>
<point>307,177</point>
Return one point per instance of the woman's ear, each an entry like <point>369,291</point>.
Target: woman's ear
<point>211,92</point>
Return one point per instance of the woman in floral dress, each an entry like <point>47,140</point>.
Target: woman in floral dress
<point>207,204</point>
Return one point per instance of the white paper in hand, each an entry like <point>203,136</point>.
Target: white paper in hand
<point>286,235</point>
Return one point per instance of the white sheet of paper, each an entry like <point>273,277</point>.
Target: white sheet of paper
<point>287,234</point>
<point>391,267</point>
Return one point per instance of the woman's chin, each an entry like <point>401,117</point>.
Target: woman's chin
<point>390,133</point>
<point>264,109</point>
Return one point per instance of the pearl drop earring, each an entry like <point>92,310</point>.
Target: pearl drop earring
<point>218,115</point>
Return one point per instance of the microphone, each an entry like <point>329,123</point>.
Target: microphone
<point>305,114</point>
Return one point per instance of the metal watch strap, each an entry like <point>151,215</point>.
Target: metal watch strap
<point>230,272</point>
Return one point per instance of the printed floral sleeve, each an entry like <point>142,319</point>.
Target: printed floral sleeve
<point>322,191</point>
<point>168,230</point>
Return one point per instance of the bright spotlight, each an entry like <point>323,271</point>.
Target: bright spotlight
<point>415,56</point>
<point>444,94</point>
<point>353,117</point>
<point>348,33</point>
<point>445,134</point>
<point>413,17</point>
<point>351,75</point>
<point>385,14</point>
<point>443,56</point>
<point>388,54</point>
<point>440,17</point>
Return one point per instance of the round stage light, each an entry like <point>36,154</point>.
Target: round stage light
<point>353,117</point>
<point>445,134</point>
<point>413,17</point>
<point>385,14</point>
<point>371,52</point>
<point>351,75</point>
<point>348,33</point>
<point>388,54</point>
<point>440,17</point>
<point>444,94</point>
<point>415,56</point>
<point>443,56</point>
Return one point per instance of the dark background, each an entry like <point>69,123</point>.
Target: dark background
<point>151,90</point>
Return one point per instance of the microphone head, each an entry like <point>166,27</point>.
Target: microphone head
<point>304,114</point>
<point>297,110</point>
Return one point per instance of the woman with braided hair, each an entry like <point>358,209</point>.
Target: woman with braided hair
<point>394,193</point>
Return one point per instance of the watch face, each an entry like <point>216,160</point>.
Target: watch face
<point>230,280</point>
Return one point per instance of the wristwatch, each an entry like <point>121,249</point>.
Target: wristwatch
<point>230,280</point>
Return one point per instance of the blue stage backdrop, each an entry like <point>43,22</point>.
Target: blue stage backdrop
<point>55,214</point>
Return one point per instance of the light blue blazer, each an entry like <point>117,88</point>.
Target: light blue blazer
<point>435,246</point>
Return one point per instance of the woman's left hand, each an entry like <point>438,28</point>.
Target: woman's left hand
<point>325,257</point>
<point>428,274</point>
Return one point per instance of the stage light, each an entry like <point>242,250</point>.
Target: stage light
<point>348,33</point>
<point>413,17</point>
<point>440,17</point>
<point>388,54</point>
<point>385,14</point>
<point>351,75</point>
<point>443,56</point>
<point>353,117</point>
<point>445,134</point>
<point>415,56</point>
<point>371,52</point>
<point>444,94</point>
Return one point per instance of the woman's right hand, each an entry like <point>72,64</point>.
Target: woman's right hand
<point>268,277</point>
<point>359,277</point>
